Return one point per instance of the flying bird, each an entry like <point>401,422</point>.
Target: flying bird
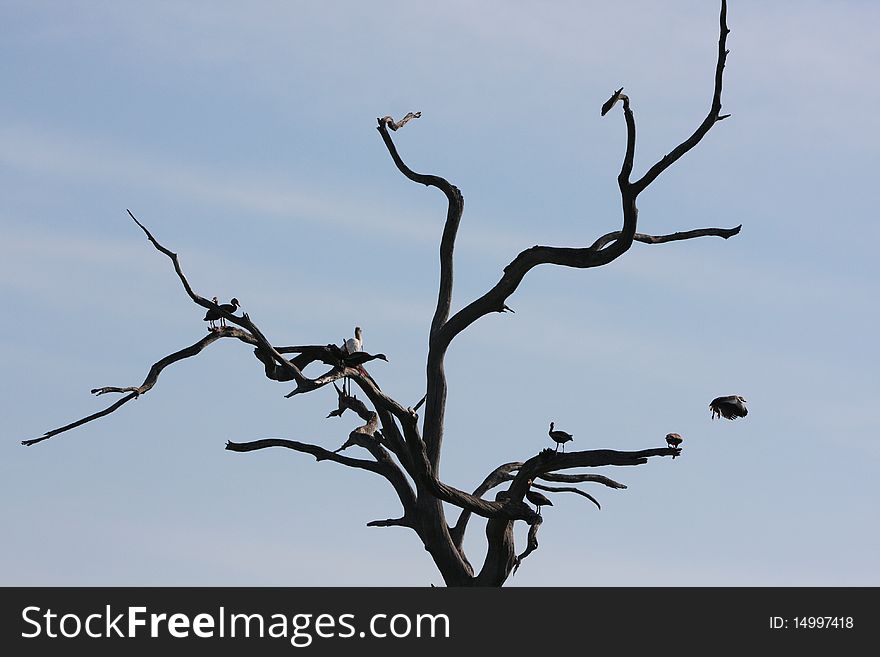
<point>536,498</point>
<point>561,437</point>
<point>673,440</point>
<point>730,407</point>
<point>610,102</point>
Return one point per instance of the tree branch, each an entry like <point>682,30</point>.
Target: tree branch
<point>435,374</point>
<point>320,453</point>
<point>244,321</point>
<point>630,152</point>
<point>725,233</point>
<point>617,244</point>
<point>511,506</point>
<point>531,546</point>
<point>135,392</point>
<point>497,476</point>
<point>579,478</point>
<point>383,465</point>
<point>711,119</point>
<point>391,522</point>
<point>397,125</point>
<point>568,489</point>
<point>504,472</point>
<point>370,438</point>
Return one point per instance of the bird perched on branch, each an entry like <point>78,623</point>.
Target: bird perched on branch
<point>356,343</point>
<point>352,346</point>
<point>214,314</point>
<point>360,357</point>
<point>561,437</point>
<point>730,407</point>
<point>536,498</point>
<point>673,440</point>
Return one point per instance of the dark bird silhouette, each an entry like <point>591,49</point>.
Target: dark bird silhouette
<point>610,102</point>
<point>673,440</point>
<point>730,407</point>
<point>361,357</point>
<point>536,498</point>
<point>357,359</point>
<point>212,316</point>
<point>561,437</point>
<point>230,308</point>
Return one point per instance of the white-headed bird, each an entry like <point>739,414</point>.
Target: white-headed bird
<point>673,440</point>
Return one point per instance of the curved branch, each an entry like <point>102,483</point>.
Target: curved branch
<point>531,546</point>
<point>711,119</point>
<point>627,166</point>
<point>568,489</point>
<point>135,392</point>
<point>397,125</point>
<point>549,461</point>
<point>725,233</point>
<point>579,478</point>
<point>244,321</point>
<point>502,474</point>
<point>436,377</point>
<point>320,453</point>
<point>619,242</point>
<point>510,505</point>
<point>383,465</point>
<point>186,286</point>
<point>497,476</point>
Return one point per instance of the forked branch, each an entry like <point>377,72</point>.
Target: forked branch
<point>713,117</point>
<point>568,489</point>
<point>149,382</point>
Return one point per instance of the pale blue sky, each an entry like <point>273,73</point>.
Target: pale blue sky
<point>244,138</point>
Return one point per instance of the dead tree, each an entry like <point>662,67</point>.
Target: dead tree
<point>405,448</point>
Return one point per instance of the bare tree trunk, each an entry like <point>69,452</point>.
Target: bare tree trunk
<point>393,445</point>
